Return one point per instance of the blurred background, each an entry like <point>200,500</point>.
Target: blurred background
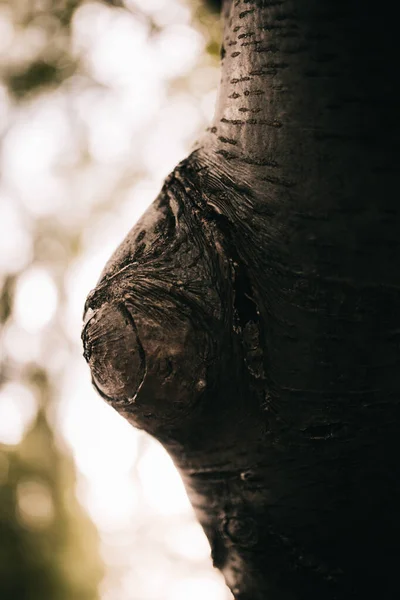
<point>98,102</point>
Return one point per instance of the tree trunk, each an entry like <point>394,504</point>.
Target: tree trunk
<point>251,320</point>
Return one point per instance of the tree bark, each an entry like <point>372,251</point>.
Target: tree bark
<point>251,320</point>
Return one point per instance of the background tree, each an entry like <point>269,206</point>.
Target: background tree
<point>249,321</point>
<point>49,547</point>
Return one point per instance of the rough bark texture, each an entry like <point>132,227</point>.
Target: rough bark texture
<point>251,320</point>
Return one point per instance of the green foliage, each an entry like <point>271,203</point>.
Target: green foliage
<point>45,26</point>
<point>6,295</point>
<point>49,547</point>
<point>51,62</point>
<point>37,75</point>
<point>207,16</point>
<point>214,5</point>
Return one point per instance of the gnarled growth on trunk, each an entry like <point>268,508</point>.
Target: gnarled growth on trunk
<point>250,321</point>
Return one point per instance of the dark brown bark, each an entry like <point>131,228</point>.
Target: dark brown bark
<point>250,321</point>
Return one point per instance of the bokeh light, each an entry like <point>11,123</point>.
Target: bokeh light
<point>17,409</point>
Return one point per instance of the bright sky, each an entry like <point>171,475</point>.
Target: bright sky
<point>131,121</point>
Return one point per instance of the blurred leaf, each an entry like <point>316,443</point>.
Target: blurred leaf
<point>214,5</point>
<point>206,13</point>
<point>6,297</point>
<point>36,76</point>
